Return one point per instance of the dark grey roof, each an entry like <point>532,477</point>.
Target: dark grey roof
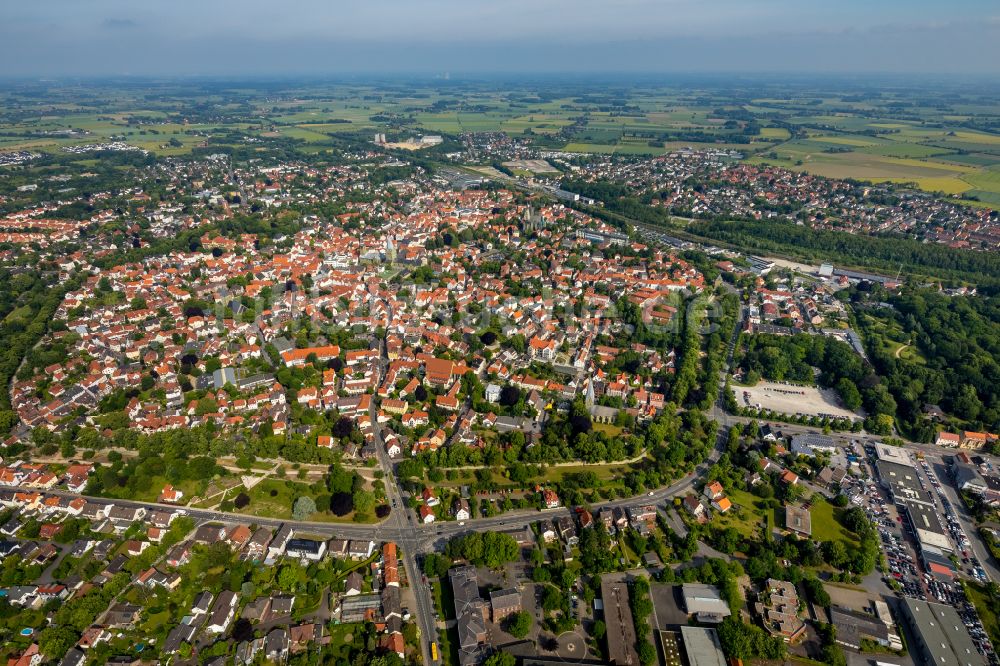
<point>941,634</point>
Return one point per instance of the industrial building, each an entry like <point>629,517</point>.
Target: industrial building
<point>705,603</point>
<point>940,635</point>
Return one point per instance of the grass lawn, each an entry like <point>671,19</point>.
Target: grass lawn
<point>444,603</point>
<point>272,498</point>
<point>603,471</point>
<point>608,429</point>
<point>753,510</point>
<point>826,525</point>
<point>342,636</point>
<point>152,491</point>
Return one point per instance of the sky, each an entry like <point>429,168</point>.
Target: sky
<point>42,38</point>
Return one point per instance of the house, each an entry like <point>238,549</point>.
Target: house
<point>135,548</point>
<point>426,514</point>
<point>460,508</point>
<point>799,520</point>
<point>276,547</point>
<point>257,610</point>
<point>948,439</point>
<point>161,519</point>
<point>566,529</point>
<point>256,548</point>
<point>126,514</point>
<point>722,504</point>
<point>179,555</point>
<point>281,605</point>
<point>547,532</point>
<point>645,513</point>
<point>30,657</point>
<point>92,636</point>
<point>430,499</point>
<point>247,651</point>
<point>276,645</point>
<point>170,495</point>
<point>202,603</point>
<point>178,636</point>
<point>353,585</point>
<point>49,530</point>
<point>392,447</point>
<point>305,549</point>
<point>122,615</point>
<point>551,499</point>
<point>75,657</point>
<point>390,565</point>
<point>974,440</point>
<point>694,506</point>
<point>360,549</point>
<point>790,478</point>
<point>714,490</point>
<point>239,536</point>
<point>210,533</point>
<point>303,634</point>
<point>393,643</point>
<point>222,612</point>
<point>391,604</point>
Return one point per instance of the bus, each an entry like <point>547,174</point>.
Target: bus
<point>434,651</point>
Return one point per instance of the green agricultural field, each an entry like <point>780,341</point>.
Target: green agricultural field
<point>942,140</point>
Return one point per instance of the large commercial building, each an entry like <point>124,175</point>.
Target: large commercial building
<point>941,638</point>
<point>702,646</point>
<point>853,626</point>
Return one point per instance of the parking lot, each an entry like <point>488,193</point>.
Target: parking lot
<point>901,549</point>
<point>792,399</point>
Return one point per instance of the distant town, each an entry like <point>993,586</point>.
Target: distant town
<point>283,391</point>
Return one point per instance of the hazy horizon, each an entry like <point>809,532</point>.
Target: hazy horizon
<point>313,38</point>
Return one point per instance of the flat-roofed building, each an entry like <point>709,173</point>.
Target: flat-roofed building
<point>902,482</point>
<point>894,454</point>
<point>705,602</point>
<point>926,525</point>
<point>618,619</point>
<point>702,646</point>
